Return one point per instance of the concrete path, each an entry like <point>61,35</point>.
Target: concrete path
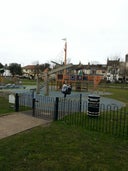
<point>14,123</point>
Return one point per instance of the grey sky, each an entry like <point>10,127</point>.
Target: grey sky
<point>32,30</point>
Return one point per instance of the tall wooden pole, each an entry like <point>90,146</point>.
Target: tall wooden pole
<point>38,84</point>
<point>37,80</point>
<point>46,84</point>
<point>65,59</point>
<point>65,55</point>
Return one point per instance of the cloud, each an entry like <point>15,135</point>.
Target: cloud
<point>34,28</point>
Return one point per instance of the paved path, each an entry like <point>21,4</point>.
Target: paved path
<point>14,123</point>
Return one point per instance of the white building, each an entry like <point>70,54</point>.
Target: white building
<point>7,73</point>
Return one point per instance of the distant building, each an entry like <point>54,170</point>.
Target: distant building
<point>113,70</point>
<point>7,73</point>
<point>29,71</point>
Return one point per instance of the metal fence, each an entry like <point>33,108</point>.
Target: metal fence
<point>43,107</point>
<point>109,119</point>
<point>113,121</point>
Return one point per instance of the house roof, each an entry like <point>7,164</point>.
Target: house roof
<point>88,66</point>
<point>29,67</point>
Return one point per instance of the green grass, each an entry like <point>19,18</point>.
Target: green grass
<point>60,147</point>
<point>118,94</point>
<point>28,82</point>
<point>8,108</point>
<point>109,122</point>
<point>5,107</point>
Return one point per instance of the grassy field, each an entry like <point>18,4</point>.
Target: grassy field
<point>5,107</point>
<point>118,94</point>
<point>28,82</point>
<point>62,147</point>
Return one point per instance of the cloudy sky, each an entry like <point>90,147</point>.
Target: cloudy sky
<point>32,30</point>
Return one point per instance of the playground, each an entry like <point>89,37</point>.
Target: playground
<point>74,96</point>
<point>82,85</point>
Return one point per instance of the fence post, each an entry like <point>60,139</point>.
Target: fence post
<point>56,109</point>
<point>80,102</point>
<point>16,102</point>
<point>33,106</point>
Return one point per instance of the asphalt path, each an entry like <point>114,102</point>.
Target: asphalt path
<point>14,123</point>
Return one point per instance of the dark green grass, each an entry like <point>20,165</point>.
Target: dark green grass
<point>116,93</point>
<point>60,147</point>
<point>28,82</point>
<point>119,94</point>
<point>8,108</point>
<point>5,106</point>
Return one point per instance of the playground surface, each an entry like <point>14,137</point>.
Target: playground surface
<point>74,95</point>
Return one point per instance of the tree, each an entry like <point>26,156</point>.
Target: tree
<point>15,69</point>
<point>39,68</point>
<point>1,69</point>
<point>42,67</point>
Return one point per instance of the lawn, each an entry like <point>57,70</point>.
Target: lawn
<point>118,94</point>
<point>60,147</point>
<point>8,108</point>
<point>5,106</point>
<point>28,82</point>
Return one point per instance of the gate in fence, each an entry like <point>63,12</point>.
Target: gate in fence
<point>51,108</point>
<point>54,108</point>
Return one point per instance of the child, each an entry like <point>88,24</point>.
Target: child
<point>66,89</point>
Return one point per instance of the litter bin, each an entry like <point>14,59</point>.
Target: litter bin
<point>93,105</point>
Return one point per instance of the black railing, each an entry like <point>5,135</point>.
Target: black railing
<point>110,119</point>
<point>113,121</point>
<point>23,102</point>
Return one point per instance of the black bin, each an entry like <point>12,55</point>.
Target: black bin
<point>93,105</point>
